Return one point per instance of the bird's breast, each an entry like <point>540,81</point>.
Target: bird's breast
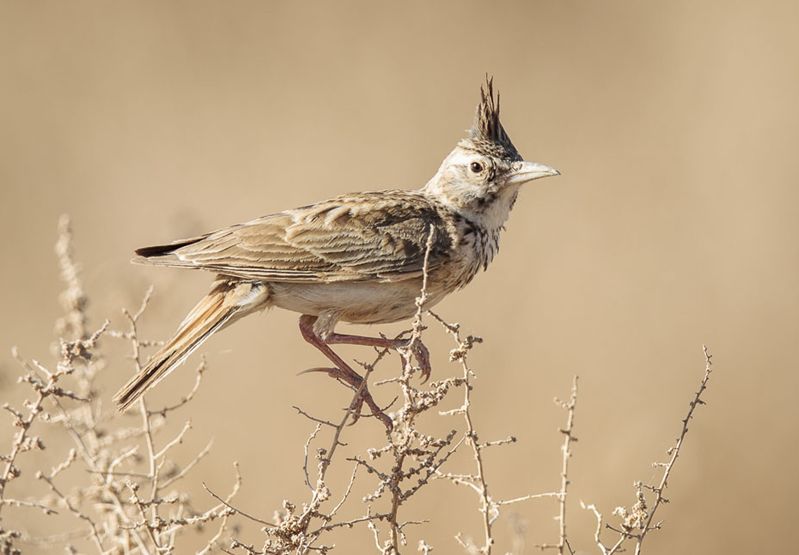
<point>474,248</point>
<point>357,302</point>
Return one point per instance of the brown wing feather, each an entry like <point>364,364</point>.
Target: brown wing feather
<point>350,238</point>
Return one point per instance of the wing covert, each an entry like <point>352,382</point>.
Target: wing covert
<point>350,238</point>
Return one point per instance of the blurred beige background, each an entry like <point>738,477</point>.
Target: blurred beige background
<point>675,223</point>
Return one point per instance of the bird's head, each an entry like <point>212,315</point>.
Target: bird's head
<point>482,175</point>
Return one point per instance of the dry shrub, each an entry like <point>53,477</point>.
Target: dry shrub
<point>123,493</point>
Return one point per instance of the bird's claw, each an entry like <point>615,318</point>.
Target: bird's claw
<point>422,356</point>
<point>315,370</point>
<point>356,407</point>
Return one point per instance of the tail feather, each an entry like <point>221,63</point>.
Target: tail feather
<point>226,302</point>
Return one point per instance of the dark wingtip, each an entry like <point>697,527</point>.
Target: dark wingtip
<point>156,250</point>
<point>161,250</point>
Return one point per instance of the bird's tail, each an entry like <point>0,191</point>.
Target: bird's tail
<point>226,302</point>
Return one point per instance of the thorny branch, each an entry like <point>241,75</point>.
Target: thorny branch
<point>106,501</point>
<point>568,438</point>
<point>489,507</point>
<point>639,520</point>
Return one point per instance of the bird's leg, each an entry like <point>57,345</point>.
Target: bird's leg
<point>343,371</point>
<point>418,349</point>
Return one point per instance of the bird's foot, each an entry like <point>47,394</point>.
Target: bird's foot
<point>356,382</point>
<point>416,347</point>
<point>422,356</point>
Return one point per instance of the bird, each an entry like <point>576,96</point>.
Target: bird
<point>359,258</point>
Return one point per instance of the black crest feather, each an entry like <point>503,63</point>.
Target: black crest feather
<point>487,136</point>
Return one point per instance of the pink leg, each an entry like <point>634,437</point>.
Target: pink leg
<point>417,347</point>
<point>343,371</point>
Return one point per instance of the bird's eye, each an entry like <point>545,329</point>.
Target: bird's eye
<point>476,167</point>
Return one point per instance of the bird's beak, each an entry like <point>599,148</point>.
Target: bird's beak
<point>527,171</point>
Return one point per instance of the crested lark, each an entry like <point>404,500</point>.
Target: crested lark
<point>357,258</point>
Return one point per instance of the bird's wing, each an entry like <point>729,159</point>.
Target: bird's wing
<point>351,238</point>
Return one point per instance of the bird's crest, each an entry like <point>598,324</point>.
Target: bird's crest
<point>487,136</point>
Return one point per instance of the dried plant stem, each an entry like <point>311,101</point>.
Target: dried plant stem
<point>103,449</point>
<point>568,439</point>
<point>471,434</point>
<point>674,453</point>
<point>639,520</point>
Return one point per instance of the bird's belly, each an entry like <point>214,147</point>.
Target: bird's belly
<point>355,302</point>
